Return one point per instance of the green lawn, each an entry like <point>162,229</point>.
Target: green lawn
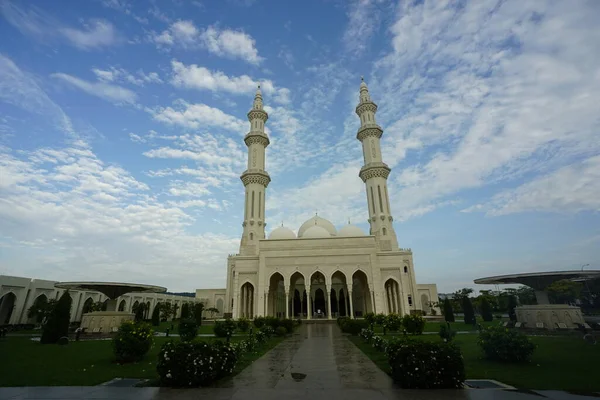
<point>561,363</point>
<point>202,329</point>
<point>458,326</point>
<point>28,363</point>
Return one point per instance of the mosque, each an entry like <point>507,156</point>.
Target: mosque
<point>322,272</point>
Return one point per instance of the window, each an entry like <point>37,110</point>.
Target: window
<point>384,231</point>
<point>372,199</point>
<point>409,300</point>
<point>259,203</point>
<point>251,236</point>
<point>252,209</point>
<point>380,202</point>
<point>405,269</point>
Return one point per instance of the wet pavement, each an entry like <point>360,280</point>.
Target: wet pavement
<point>317,362</point>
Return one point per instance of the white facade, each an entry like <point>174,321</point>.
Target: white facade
<point>323,272</point>
<point>18,294</point>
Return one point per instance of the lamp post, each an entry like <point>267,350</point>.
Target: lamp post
<point>586,285</point>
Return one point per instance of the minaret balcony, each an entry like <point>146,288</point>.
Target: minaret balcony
<point>256,137</point>
<point>369,130</point>
<point>374,170</point>
<point>366,106</point>
<point>255,176</point>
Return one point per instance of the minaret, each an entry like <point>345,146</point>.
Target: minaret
<point>255,178</point>
<point>374,173</point>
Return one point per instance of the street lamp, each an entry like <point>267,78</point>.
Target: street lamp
<point>585,265</point>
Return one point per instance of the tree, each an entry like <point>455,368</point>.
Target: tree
<point>564,291</point>
<point>41,309</point>
<point>185,311</point>
<point>486,310</point>
<point>156,315</point>
<point>139,311</point>
<point>512,303</point>
<point>526,295</point>
<point>166,311</point>
<point>174,310</point>
<point>468,311</point>
<point>57,324</point>
<point>212,311</point>
<point>448,312</point>
<point>198,308</point>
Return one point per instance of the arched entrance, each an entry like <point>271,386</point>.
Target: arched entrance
<point>298,291</point>
<point>147,310</point>
<point>338,287</point>
<point>276,299</point>
<point>220,306</point>
<point>425,304</point>
<point>361,295</point>
<point>7,305</point>
<point>317,283</point>
<point>247,301</point>
<point>88,306</point>
<point>320,305</point>
<point>393,298</point>
<point>122,305</point>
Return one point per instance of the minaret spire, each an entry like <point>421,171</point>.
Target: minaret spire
<point>255,178</point>
<point>375,172</point>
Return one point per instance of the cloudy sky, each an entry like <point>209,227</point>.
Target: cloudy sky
<point>121,127</point>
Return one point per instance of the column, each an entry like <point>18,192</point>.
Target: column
<point>395,297</point>
<point>266,301</point>
<point>388,298</point>
<point>351,306</point>
<point>373,302</point>
<point>287,304</point>
<point>308,303</point>
<point>328,302</point>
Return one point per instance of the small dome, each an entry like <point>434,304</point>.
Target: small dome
<point>316,231</point>
<point>282,233</point>
<point>350,230</point>
<point>318,221</point>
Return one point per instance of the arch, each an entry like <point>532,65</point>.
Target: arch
<point>35,313</point>
<point>406,269</point>
<point>339,283</point>
<point>251,236</point>
<point>276,273</point>
<point>246,300</point>
<point>392,296</point>
<point>384,231</point>
<point>147,310</point>
<point>7,306</point>
<point>361,294</point>
<point>320,307</point>
<point>122,305</point>
<point>135,306</point>
<point>276,304</point>
<point>220,305</point>
<point>317,278</point>
<point>88,305</point>
<point>358,268</point>
<point>297,286</point>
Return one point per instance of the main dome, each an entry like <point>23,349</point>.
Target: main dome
<point>350,230</point>
<point>317,221</point>
<point>282,233</point>
<point>316,231</point>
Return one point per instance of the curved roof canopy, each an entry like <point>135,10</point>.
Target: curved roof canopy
<point>112,290</point>
<point>539,280</point>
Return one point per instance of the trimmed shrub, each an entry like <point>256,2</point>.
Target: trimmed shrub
<point>417,364</point>
<point>193,364</point>
<point>185,311</point>
<point>132,341</point>
<point>367,334</point>
<point>288,324</point>
<point>446,333</point>
<point>353,326</point>
<point>156,315</point>
<point>379,343</point>
<point>393,322</point>
<point>448,311</point>
<point>468,310</point>
<point>512,304</point>
<point>259,322</point>
<point>224,329</point>
<point>188,329</point>
<point>267,330</point>
<point>508,345</point>
<point>281,331</point>
<point>380,320</point>
<point>57,325</point>
<point>370,318</point>
<point>243,324</point>
<point>342,320</point>
<point>413,324</point>
<point>273,322</point>
<point>486,310</point>
<point>260,336</point>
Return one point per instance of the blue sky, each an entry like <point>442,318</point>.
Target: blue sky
<point>121,127</point>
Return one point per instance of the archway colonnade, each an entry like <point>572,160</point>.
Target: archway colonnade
<point>318,296</point>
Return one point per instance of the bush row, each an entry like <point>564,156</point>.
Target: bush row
<point>226,328</point>
<point>413,324</point>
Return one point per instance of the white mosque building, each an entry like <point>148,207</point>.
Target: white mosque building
<point>322,272</point>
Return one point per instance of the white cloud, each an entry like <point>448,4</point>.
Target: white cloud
<point>197,115</point>
<point>113,74</point>
<point>96,33</point>
<point>112,93</point>
<point>21,90</point>
<point>222,42</point>
<point>201,78</point>
<point>72,216</point>
<point>364,18</point>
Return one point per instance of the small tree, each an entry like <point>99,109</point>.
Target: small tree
<point>57,325</point>
<point>486,310</point>
<point>448,312</point>
<point>212,311</point>
<point>185,311</point>
<point>564,291</point>
<point>156,315</point>
<point>166,311</point>
<point>468,311</point>
<point>41,309</point>
<point>140,311</point>
<point>198,308</point>
<point>512,303</point>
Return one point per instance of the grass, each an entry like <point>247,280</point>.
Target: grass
<point>202,329</point>
<point>84,363</point>
<point>558,363</point>
<point>458,326</point>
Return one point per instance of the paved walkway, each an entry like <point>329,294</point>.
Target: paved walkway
<point>315,363</point>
